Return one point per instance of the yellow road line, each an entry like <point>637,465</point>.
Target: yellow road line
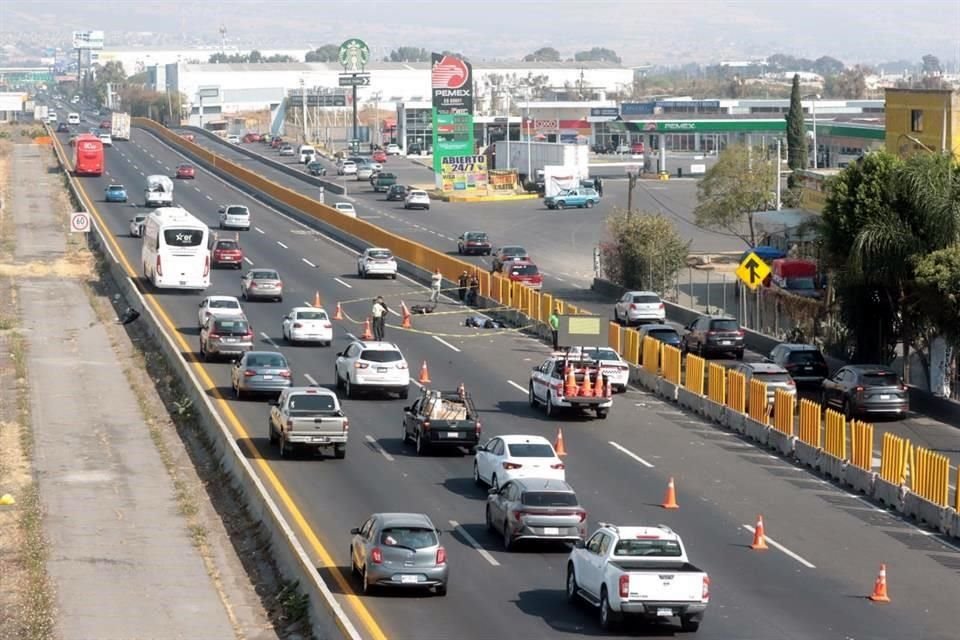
<point>326,559</point>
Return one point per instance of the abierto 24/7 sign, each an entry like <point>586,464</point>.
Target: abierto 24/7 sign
<point>463,173</point>
<point>452,82</point>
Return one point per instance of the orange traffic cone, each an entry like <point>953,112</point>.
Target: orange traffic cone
<point>586,389</point>
<point>367,333</point>
<point>316,299</point>
<point>670,500</point>
<point>338,315</point>
<point>406,324</point>
<point>558,444</point>
<point>759,536</point>
<point>424,373</point>
<point>598,391</point>
<point>570,384</point>
<point>880,586</point>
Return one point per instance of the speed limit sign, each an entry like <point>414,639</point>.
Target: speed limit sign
<point>80,222</point>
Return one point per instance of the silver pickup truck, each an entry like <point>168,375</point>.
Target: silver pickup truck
<point>308,417</point>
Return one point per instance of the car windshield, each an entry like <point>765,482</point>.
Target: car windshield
<point>513,251</point>
<point>602,354</point>
<point>311,315</point>
<point>880,379</point>
<point>265,275</point>
<point>182,237</point>
<point>654,548</point>
<point>549,499</point>
<point>409,537</point>
<point>646,299</point>
<point>380,255</point>
<point>530,450</point>
<point>115,188</point>
<point>805,357</point>
<point>476,237</point>
<point>372,355</point>
<point>228,244</point>
<point>267,360</point>
<point>724,325</point>
<point>346,206</point>
<point>237,211</point>
<point>524,270</point>
<point>771,376</point>
<point>664,335</point>
<point>302,403</point>
<point>803,284</point>
<point>418,194</point>
<point>224,304</point>
<point>185,167</point>
<point>231,327</point>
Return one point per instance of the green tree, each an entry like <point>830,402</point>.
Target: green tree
<point>326,53</point>
<point>597,54</point>
<point>796,129</point>
<point>931,65</point>
<point>644,251</point>
<point>938,283</point>
<point>110,75</point>
<point>410,54</point>
<point>739,184</point>
<point>543,54</point>
<point>827,66</point>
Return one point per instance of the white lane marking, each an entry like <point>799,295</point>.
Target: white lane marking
<point>445,343</point>
<point>346,284</point>
<point>129,160</point>
<point>518,387</point>
<point>248,260</point>
<point>310,379</point>
<point>630,453</point>
<point>774,543</point>
<point>258,229</point>
<point>136,168</point>
<point>197,189</point>
<point>350,335</point>
<point>142,173</point>
<point>282,245</point>
<point>376,447</point>
<point>416,382</point>
<point>268,339</point>
<point>473,543</point>
<point>307,262</point>
<point>208,197</point>
<point>167,168</point>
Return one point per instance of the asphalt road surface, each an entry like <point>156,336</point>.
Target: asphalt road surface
<point>813,588</point>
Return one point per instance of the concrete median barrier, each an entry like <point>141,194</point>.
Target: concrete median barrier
<point>781,443</point>
<point>924,511</point>
<point>860,480</point>
<point>735,420</point>
<point>832,466</point>
<point>757,431</point>
<point>952,523</point>
<point>714,411</point>
<point>807,454</point>
<point>690,400</point>
<point>889,494</point>
<point>645,379</point>
<point>666,389</point>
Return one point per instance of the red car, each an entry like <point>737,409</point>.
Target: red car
<point>526,272</point>
<point>186,171</point>
<point>226,253</point>
<point>252,137</point>
<point>636,148</point>
<point>379,155</point>
<point>106,124</point>
<point>276,143</point>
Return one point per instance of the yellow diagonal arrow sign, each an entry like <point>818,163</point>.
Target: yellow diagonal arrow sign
<point>752,270</point>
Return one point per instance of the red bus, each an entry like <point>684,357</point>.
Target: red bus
<point>88,158</point>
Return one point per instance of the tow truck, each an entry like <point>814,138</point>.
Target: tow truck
<point>570,379</point>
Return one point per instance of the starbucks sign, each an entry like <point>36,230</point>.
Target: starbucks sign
<point>354,55</point>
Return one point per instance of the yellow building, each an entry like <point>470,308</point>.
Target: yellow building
<point>922,119</point>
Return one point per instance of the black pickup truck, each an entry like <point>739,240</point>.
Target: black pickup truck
<point>441,419</point>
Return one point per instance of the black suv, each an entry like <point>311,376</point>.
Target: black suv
<point>804,362</point>
<point>713,335</point>
<point>396,192</point>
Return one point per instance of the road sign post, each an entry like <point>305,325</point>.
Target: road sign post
<point>80,222</point>
<point>753,271</point>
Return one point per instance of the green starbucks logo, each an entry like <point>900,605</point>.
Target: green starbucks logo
<point>354,55</point>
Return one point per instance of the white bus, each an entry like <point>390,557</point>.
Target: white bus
<point>174,253</point>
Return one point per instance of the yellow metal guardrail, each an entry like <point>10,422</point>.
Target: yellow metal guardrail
<point>836,435</point>
<point>758,407</point>
<point>694,373</point>
<point>809,428</point>
<point>930,476</point>
<point>736,391</point>
<point>614,332</point>
<point>716,382</point>
<point>861,444</point>
<point>671,360</point>
<point>784,406</point>
<point>894,455</point>
<point>651,354</point>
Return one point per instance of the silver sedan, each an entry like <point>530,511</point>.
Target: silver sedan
<point>262,283</point>
<point>399,550</point>
<point>260,372</point>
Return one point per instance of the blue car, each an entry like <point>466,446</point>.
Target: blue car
<point>115,193</point>
<point>579,197</point>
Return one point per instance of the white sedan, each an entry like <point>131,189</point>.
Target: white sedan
<point>364,172</point>
<point>348,168</point>
<point>221,306</point>
<point>417,199</point>
<point>504,458</point>
<point>393,149</point>
<point>308,324</point>
<point>346,209</point>
<point>614,367</point>
<point>105,139</point>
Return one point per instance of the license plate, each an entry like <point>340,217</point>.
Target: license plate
<point>551,531</point>
<point>808,368</point>
<point>183,283</point>
<point>665,613</point>
<point>408,579</point>
<point>268,377</point>
<point>381,369</point>
<point>725,342</point>
<point>319,439</point>
<point>229,339</point>
<point>884,396</point>
<point>453,434</point>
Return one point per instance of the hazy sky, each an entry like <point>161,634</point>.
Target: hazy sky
<point>640,31</point>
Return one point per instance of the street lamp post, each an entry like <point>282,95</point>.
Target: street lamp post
<point>813,111</point>
<point>507,102</point>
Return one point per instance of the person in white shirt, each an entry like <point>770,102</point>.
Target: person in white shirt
<point>379,313</point>
<point>436,282</point>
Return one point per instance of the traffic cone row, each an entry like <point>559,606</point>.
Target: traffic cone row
<point>570,384</point>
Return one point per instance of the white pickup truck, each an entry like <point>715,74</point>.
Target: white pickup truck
<point>638,571</point>
<point>308,418</point>
<point>550,380</point>
<point>159,191</point>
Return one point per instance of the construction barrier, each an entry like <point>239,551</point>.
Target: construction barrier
<point>736,391</point>
<point>894,455</point>
<point>758,407</point>
<point>809,429</point>
<point>694,373</point>
<point>861,445</point>
<point>671,359</point>
<point>836,435</point>
<point>784,405</point>
<point>631,350</point>
<point>930,476</point>
<point>716,382</point>
<point>651,354</point>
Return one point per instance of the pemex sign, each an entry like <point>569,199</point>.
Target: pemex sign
<point>451,81</point>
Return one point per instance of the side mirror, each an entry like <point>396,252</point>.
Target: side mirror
<point>221,209</point>
<point>578,544</point>
<point>493,492</point>
<point>273,402</point>
<point>235,362</point>
<point>408,408</point>
<point>340,354</point>
<point>355,531</point>
<point>199,305</point>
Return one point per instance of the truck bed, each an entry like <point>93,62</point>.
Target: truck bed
<point>646,565</point>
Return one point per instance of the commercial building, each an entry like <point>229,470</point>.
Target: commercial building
<point>923,120</point>
<point>12,107</point>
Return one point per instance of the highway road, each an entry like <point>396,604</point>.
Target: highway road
<point>811,588</point>
<point>517,222</point>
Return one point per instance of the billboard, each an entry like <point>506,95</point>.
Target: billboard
<point>88,39</point>
<point>463,173</point>
<point>451,81</point>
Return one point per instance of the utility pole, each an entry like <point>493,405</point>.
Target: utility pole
<point>303,100</point>
<point>777,168</point>
<point>631,185</point>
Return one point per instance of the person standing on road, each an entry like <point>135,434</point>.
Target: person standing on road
<point>379,313</point>
<point>436,282</point>
<point>473,295</point>
<point>554,327</point>
<point>599,185</point>
<point>462,283</point>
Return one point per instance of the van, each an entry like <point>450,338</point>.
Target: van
<point>73,118</point>
<point>798,277</point>
<point>306,153</point>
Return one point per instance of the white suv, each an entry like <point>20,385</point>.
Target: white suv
<point>235,216</point>
<point>377,262</point>
<point>369,365</point>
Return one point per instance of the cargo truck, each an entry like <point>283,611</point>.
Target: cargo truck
<point>574,158</point>
<point>120,126</point>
